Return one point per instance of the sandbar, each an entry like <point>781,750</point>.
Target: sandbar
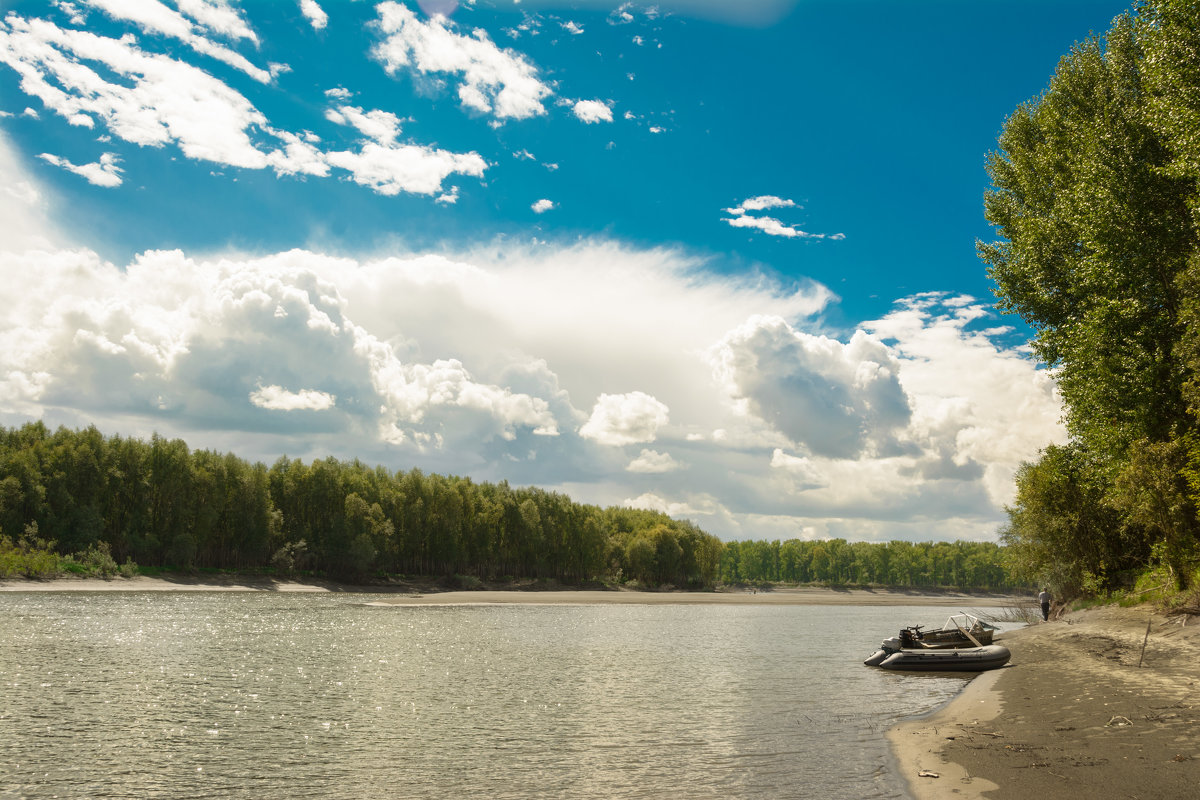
<point>1073,715</point>
<point>432,595</point>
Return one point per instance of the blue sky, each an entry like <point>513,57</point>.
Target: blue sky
<point>712,258</point>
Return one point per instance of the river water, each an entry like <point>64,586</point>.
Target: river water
<point>262,695</point>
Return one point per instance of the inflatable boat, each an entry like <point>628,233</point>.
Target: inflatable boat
<point>963,659</point>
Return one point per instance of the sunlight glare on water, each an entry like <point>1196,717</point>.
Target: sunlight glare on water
<point>259,695</point>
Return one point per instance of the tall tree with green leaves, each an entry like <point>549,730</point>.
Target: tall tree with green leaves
<point>1095,201</point>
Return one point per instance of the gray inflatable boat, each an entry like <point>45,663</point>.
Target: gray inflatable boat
<point>964,659</point>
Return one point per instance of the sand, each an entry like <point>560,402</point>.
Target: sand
<point>430,594</point>
<point>1073,715</point>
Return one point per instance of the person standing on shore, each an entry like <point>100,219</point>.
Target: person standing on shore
<point>1044,599</point>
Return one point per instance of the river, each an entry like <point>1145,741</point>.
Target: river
<point>262,695</point>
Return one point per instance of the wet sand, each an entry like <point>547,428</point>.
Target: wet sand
<point>1073,715</point>
<point>430,595</point>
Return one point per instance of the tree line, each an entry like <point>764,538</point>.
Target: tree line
<point>971,565</point>
<point>161,504</point>
<point>1096,200</point>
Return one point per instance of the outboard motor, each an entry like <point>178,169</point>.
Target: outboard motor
<point>887,647</point>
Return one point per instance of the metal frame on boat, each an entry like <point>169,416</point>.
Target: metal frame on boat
<point>959,630</point>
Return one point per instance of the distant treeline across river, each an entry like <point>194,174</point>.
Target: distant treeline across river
<point>161,504</point>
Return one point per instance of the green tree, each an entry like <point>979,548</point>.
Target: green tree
<point>1095,189</point>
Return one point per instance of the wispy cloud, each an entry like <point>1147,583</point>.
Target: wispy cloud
<point>157,18</point>
<point>102,173</point>
<point>217,123</point>
<point>741,217</point>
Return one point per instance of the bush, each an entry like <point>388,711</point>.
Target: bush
<point>98,560</point>
<point>290,559</point>
<point>29,556</point>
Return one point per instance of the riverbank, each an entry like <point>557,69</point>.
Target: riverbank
<point>433,593</point>
<point>1072,716</point>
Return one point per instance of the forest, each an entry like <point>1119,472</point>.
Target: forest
<point>125,501</point>
<point>1096,200</point>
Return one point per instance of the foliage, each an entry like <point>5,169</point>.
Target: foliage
<point>160,504</point>
<point>29,556</point>
<point>1096,199</point>
<point>963,565</point>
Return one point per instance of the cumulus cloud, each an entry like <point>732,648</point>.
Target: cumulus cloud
<point>592,111</point>
<point>315,15</point>
<point>619,419</point>
<point>105,172</point>
<point>834,399</point>
<point>467,363</point>
<point>542,206</point>
<point>653,462</point>
<point>218,339</point>
<point>494,81</point>
<point>276,398</point>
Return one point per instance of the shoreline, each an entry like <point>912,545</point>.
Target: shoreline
<point>1072,715</point>
<point>432,594</point>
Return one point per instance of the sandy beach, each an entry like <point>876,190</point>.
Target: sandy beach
<point>1073,715</point>
<point>433,595</point>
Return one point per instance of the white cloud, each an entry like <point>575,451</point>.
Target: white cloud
<point>591,111</point>
<point>741,218</point>
<point>493,81</point>
<point>158,101</point>
<point>218,339</point>
<point>468,364</point>
<point>163,101</point>
<point>761,203</point>
<point>653,462</point>
<point>219,17</point>
<point>157,18</point>
<point>24,211</point>
<point>835,399</point>
<point>390,170</point>
<point>382,126</point>
<point>103,173</point>
<point>619,419</point>
<point>276,398</point>
<point>542,206</point>
<point>315,15</point>
<point>572,27</point>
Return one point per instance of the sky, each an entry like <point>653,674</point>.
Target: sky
<point>715,259</point>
